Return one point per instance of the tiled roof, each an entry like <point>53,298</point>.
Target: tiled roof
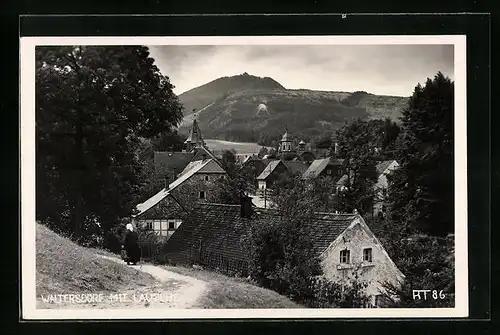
<point>221,228</point>
<point>155,199</point>
<point>200,151</point>
<point>268,170</point>
<point>151,202</point>
<point>295,167</point>
<point>291,166</point>
<point>171,160</point>
<point>318,165</point>
<point>323,228</point>
<point>382,166</point>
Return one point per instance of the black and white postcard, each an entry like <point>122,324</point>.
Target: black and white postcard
<point>244,177</point>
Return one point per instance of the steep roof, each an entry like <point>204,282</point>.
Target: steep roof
<point>382,166</point>
<point>323,228</point>
<point>268,170</point>
<point>194,134</point>
<point>221,229</point>
<point>185,175</point>
<point>295,167</point>
<point>171,160</point>
<point>285,137</point>
<point>204,151</point>
<point>318,165</point>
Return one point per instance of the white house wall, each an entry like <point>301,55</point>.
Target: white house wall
<point>379,270</point>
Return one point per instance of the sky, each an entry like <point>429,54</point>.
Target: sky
<point>378,69</point>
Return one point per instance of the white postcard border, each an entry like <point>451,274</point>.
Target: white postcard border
<point>27,160</point>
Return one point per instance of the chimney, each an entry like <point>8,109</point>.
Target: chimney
<point>246,206</point>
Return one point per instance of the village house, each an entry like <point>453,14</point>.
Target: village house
<point>277,169</point>
<point>383,169</point>
<point>164,212</point>
<point>324,167</point>
<point>213,236</point>
<point>169,164</point>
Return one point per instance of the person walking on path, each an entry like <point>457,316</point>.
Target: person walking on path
<point>131,246</point>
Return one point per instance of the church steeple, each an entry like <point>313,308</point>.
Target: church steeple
<point>285,145</point>
<point>195,139</point>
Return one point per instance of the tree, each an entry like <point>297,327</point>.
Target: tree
<point>357,146</point>
<point>262,152</point>
<point>93,104</point>
<point>229,162</point>
<point>422,189</point>
<point>281,254</point>
<point>169,140</point>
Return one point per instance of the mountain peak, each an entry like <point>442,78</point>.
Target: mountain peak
<point>201,96</point>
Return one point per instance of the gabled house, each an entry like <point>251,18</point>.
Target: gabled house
<point>164,212</point>
<point>276,169</point>
<point>383,170</point>
<point>324,167</point>
<point>212,235</point>
<point>168,164</point>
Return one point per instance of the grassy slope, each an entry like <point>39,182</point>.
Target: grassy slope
<point>63,267</point>
<point>226,292</point>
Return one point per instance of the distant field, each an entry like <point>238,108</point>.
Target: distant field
<point>239,147</point>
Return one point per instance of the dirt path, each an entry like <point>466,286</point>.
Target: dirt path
<point>174,290</point>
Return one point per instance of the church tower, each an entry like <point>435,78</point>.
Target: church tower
<point>195,139</point>
<point>285,148</point>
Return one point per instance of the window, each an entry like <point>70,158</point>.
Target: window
<point>367,255</point>
<point>202,194</point>
<point>328,171</point>
<point>206,178</point>
<point>164,225</point>
<point>345,256</point>
<point>156,225</point>
<point>149,225</point>
<point>171,225</point>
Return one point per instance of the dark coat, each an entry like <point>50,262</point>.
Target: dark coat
<point>131,246</point>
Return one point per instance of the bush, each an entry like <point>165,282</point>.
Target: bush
<point>151,245</point>
<point>281,259</point>
<point>329,294</point>
<point>428,264</point>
